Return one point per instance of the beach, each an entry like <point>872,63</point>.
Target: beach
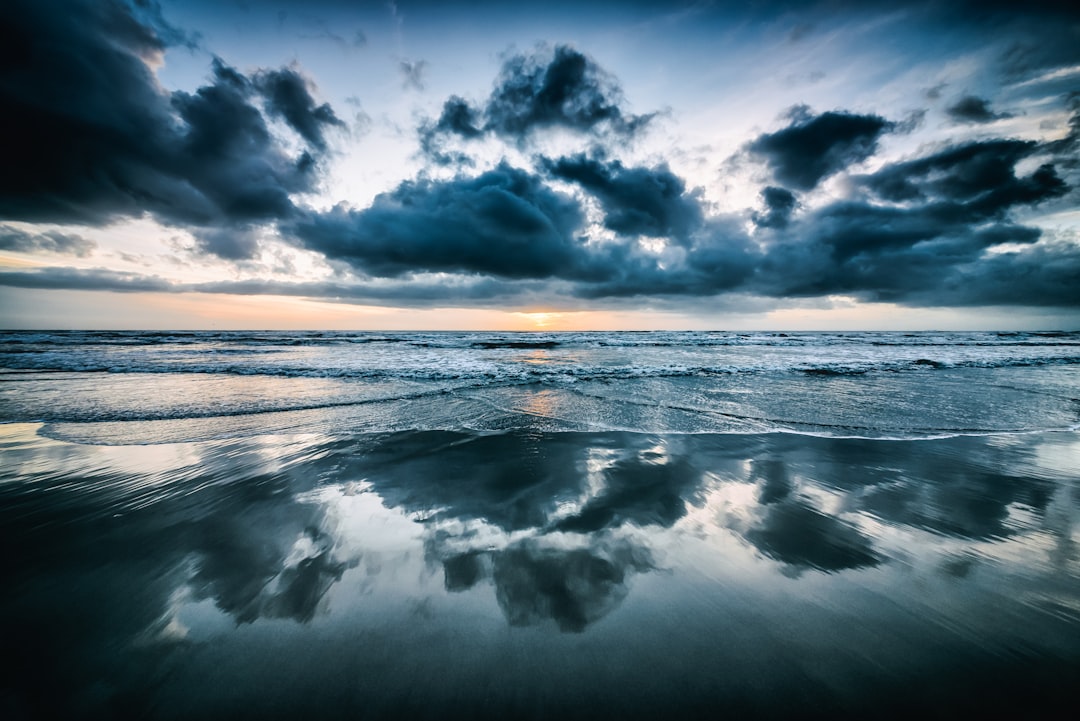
<point>539,525</point>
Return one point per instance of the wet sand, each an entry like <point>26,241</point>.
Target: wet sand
<point>532,574</point>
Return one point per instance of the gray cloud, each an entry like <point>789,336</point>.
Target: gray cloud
<point>569,90</point>
<point>636,201</point>
<point>929,244</point>
<point>980,174</point>
<point>504,222</point>
<point>973,109</point>
<point>227,243</point>
<point>779,203</point>
<point>562,88</point>
<point>814,147</point>
<point>288,95</point>
<point>932,230</point>
<point>412,73</point>
<point>90,279</point>
<point>89,136</point>
<point>49,241</point>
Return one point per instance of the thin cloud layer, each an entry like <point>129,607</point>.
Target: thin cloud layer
<point>21,241</point>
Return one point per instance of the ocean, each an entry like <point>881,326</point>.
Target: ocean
<point>538,525</point>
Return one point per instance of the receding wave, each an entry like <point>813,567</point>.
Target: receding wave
<point>100,415</point>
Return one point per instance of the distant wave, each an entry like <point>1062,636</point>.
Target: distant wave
<point>541,339</point>
<point>511,371</point>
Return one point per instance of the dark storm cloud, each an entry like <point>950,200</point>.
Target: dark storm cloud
<point>928,243</point>
<point>459,118</point>
<point>921,256</point>
<point>508,224</point>
<point>1046,274</point>
<point>979,174</point>
<point>973,109</point>
<point>1067,149</point>
<point>569,90</point>
<point>504,222</point>
<point>779,204</point>
<point>562,88</point>
<point>288,96</point>
<point>49,241</point>
<point>88,135</point>
<point>636,201</point>
<point>814,147</point>
<point>937,229</point>
<point>719,257</point>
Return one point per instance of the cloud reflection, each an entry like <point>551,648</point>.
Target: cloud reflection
<point>555,526</point>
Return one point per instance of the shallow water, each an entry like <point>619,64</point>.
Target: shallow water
<point>862,540</point>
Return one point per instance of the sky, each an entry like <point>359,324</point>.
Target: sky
<point>523,166</point>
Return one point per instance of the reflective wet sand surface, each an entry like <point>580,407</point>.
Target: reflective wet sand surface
<point>537,574</point>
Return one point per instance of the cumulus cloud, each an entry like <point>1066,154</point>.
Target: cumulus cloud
<point>90,136</point>
<point>569,90</point>
<point>636,201</point>
<point>813,147</point>
<point>288,95</point>
<point>936,229</point>
<point>504,222</point>
<point>227,243</point>
<point>980,174</point>
<point>928,244</point>
<point>559,88</point>
<point>779,204</point>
